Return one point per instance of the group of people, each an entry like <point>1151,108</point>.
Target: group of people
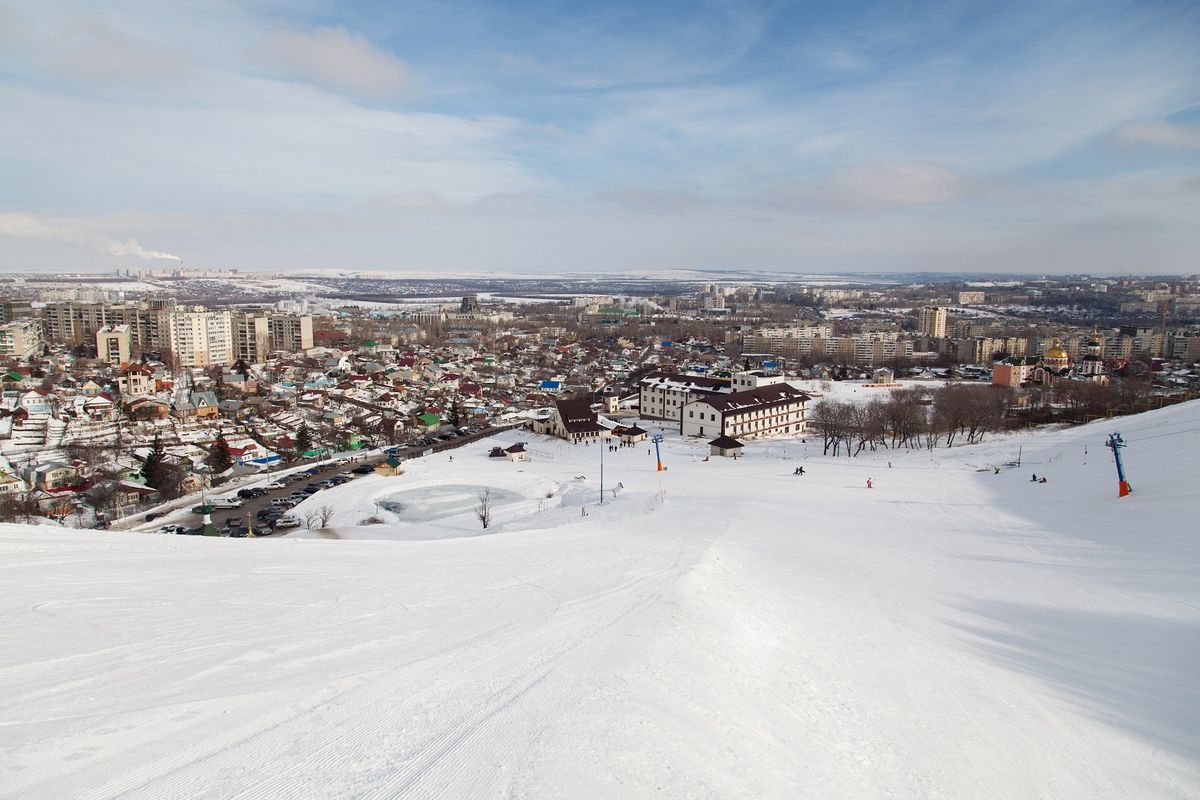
<point>798,471</point>
<point>1036,479</point>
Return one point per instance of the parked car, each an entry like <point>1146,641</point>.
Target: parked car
<point>153,516</point>
<point>363,469</point>
<point>286,522</point>
<point>172,529</point>
<point>226,502</point>
<point>251,493</point>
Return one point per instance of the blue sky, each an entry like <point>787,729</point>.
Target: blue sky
<point>448,136</point>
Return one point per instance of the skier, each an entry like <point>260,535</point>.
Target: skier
<point>1034,478</point>
<point>870,484</point>
<point>997,470</point>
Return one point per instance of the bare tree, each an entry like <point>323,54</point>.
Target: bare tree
<point>312,519</point>
<point>325,515</point>
<point>483,511</point>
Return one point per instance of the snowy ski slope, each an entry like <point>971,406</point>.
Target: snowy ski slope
<point>722,629</point>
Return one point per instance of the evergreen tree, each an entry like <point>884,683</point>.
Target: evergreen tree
<point>303,439</point>
<point>155,468</point>
<point>219,457</point>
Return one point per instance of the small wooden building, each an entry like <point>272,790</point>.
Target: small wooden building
<point>725,446</point>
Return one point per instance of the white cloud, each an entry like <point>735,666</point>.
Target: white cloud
<point>1160,133</point>
<point>22,225</point>
<point>336,59</point>
<point>876,186</point>
<point>98,52</point>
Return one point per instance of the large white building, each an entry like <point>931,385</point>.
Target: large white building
<point>198,337</point>
<point>769,410</point>
<point>661,395</point>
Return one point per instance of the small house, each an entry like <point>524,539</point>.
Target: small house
<point>725,446</point>
<point>392,466</point>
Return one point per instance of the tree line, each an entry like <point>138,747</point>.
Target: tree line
<point>913,418</point>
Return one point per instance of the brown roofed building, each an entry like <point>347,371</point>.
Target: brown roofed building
<point>573,420</point>
<point>765,411</point>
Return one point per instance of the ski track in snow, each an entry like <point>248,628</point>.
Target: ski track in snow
<point>949,633</point>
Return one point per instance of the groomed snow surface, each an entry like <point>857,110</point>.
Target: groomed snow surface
<point>721,629</point>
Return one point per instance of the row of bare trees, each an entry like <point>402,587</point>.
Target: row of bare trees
<point>911,418</point>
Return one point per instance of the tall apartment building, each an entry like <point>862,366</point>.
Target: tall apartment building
<point>251,337</point>
<point>985,349</point>
<point>932,322</point>
<point>291,333</point>
<point>14,309</point>
<point>198,337</point>
<point>72,323</point>
<point>20,339</point>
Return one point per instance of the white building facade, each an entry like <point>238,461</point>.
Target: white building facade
<point>778,409</point>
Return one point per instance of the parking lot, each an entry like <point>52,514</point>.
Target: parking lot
<point>280,494</point>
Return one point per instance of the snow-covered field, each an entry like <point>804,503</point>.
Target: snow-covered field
<point>721,629</point>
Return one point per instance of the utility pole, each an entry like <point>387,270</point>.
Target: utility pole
<point>1115,443</point>
<point>599,442</point>
<point>657,439</point>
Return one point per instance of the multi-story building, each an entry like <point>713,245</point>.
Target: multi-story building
<point>662,395</point>
<point>72,323</point>
<point>970,298</point>
<point>198,337</point>
<point>13,309</point>
<point>20,339</point>
<point>931,321</point>
<point>775,409</point>
<point>251,337</point>
<point>292,333</point>
<point>113,344</point>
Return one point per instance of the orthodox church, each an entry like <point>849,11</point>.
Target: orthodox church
<point>1054,366</point>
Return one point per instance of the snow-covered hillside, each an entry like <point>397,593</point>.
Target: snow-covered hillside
<point>721,629</point>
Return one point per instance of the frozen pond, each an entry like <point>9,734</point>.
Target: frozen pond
<point>430,503</point>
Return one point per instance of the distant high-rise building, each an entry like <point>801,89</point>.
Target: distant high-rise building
<point>932,322</point>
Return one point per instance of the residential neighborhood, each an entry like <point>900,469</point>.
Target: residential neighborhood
<point>94,381</point>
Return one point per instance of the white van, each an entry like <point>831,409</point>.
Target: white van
<point>232,501</point>
<point>286,521</point>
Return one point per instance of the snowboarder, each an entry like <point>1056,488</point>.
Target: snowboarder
<point>997,470</point>
<point>1042,479</point>
<point>1034,478</point>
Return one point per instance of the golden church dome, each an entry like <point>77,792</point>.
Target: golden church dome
<point>1057,353</point>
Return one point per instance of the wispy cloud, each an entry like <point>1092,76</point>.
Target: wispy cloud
<point>1160,133</point>
<point>597,135</point>
<point>337,59</point>
<point>875,187</point>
